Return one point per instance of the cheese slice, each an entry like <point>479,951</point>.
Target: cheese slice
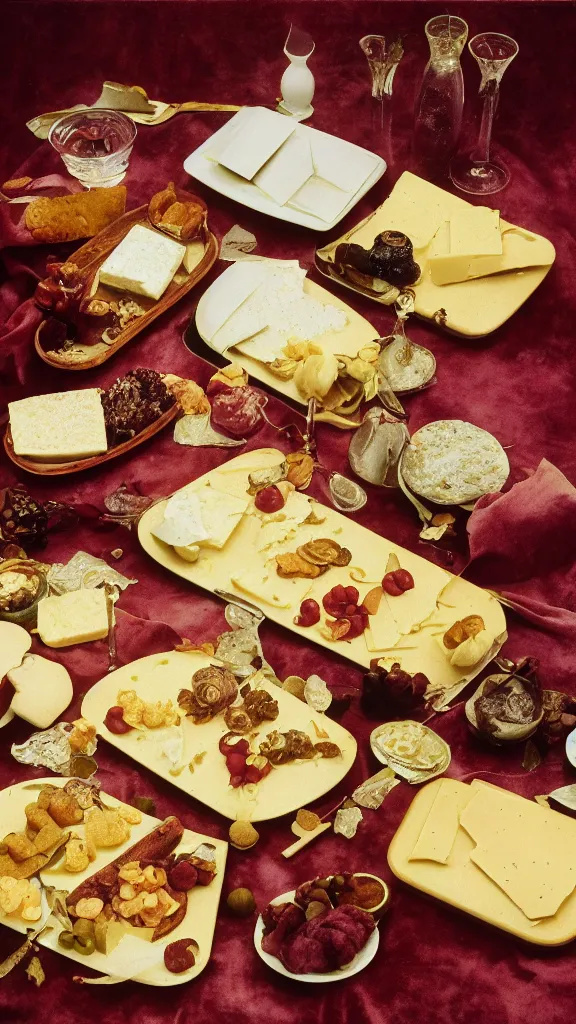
<point>382,633</point>
<point>73,618</point>
<point>59,427</point>
<point>227,294</point>
<point>263,132</point>
<point>439,831</point>
<point>520,249</point>
<point>287,170</point>
<point>144,262</point>
<point>206,516</point>
<point>475,231</point>
<point>194,254</point>
<point>415,207</point>
<point>341,163</point>
<point>43,690</point>
<point>244,323</point>
<point>265,586</point>
<point>182,523</point>
<point>266,346</point>
<point>321,199</point>
<point>412,608</point>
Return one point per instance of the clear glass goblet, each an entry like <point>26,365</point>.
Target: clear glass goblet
<point>382,62</point>
<point>477,173</point>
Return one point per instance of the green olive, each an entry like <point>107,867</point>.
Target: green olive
<point>66,940</point>
<point>339,881</point>
<point>322,883</point>
<point>84,929</point>
<point>84,945</point>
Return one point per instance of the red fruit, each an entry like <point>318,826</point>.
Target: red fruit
<point>397,582</point>
<point>236,781</point>
<point>358,623</point>
<point>269,499</point>
<point>352,595</point>
<point>236,763</point>
<point>115,722</point>
<point>183,876</point>
<point>204,877</point>
<point>229,744</point>
<point>338,601</point>
<point>252,774</point>
<point>265,770</point>
<point>217,387</point>
<point>309,613</point>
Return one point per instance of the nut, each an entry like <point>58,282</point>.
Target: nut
<point>128,908</point>
<point>89,908</point>
<point>127,891</point>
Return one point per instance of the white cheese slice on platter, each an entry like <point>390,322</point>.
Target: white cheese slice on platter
<point>287,169</point>
<point>320,198</point>
<point>227,294</point>
<point>414,607</point>
<point>144,262</point>
<point>59,427</point>
<point>266,346</point>
<point>342,164</point>
<point>267,587</point>
<point>263,132</point>
<point>182,524</point>
<point>382,633</point>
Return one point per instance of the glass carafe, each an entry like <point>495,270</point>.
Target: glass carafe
<point>438,114</point>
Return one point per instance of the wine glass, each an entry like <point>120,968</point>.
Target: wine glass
<point>382,63</point>
<point>478,173</point>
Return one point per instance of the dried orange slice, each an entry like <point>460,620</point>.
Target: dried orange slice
<point>323,551</point>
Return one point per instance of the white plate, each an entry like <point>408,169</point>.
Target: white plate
<point>571,747</point>
<point>360,961</point>
<point>199,166</point>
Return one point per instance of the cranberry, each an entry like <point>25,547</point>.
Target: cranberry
<point>204,877</point>
<point>236,763</point>
<point>358,623</point>
<point>397,582</point>
<point>179,956</point>
<point>309,613</point>
<point>183,876</point>
<point>115,722</point>
<point>338,600</point>
<point>229,744</point>
<point>236,781</point>
<point>269,499</point>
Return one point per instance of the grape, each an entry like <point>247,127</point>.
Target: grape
<point>397,582</point>
<point>309,613</point>
<point>269,499</point>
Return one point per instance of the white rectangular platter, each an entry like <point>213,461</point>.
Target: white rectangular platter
<point>472,308</point>
<point>202,165</point>
<point>200,919</point>
<point>242,569</point>
<point>285,789</point>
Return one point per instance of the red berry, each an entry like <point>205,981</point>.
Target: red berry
<point>269,499</point>
<point>115,722</point>
<point>252,773</point>
<point>352,595</point>
<point>397,582</point>
<point>309,613</point>
<point>236,781</point>
<point>204,877</point>
<point>183,876</point>
<point>230,744</point>
<point>236,763</point>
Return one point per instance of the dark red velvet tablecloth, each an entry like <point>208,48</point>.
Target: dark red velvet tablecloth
<point>433,964</point>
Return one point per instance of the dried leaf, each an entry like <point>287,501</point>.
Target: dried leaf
<point>56,899</point>
<point>18,955</point>
<point>197,432</point>
<point>35,972</point>
<point>123,503</point>
<point>531,758</point>
<point>236,244</point>
<point>188,647</point>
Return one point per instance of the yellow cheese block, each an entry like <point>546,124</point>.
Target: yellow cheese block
<point>74,618</point>
<point>476,232</point>
<point>437,837</point>
<point>520,249</point>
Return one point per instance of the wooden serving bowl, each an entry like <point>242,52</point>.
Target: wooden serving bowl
<point>90,257</point>
<point>61,468</point>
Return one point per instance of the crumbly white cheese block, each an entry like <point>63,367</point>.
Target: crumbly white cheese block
<point>202,517</point>
<point>73,618</point>
<point>66,425</point>
<point>475,231</point>
<point>144,262</point>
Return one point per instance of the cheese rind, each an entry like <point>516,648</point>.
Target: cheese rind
<point>144,262</point>
<point>62,426</point>
<point>73,618</point>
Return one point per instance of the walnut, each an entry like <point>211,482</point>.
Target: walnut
<point>89,909</point>
<point>213,690</point>
<point>261,706</point>
<point>238,720</point>
<point>328,749</point>
<point>280,748</point>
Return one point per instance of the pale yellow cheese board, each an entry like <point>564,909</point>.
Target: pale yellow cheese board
<point>405,629</point>
<point>198,924</point>
<point>285,789</point>
<point>356,333</point>
<point>473,307</point>
<point>433,852</point>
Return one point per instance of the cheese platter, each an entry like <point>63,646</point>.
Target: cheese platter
<point>492,854</point>
<point>121,280</point>
<point>106,832</point>
<point>269,317</point>
<point>472,270</point>
<point>193,755</point>
<point>290,171</point>
<point>405,627</point>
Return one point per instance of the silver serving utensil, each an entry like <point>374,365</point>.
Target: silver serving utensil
<point>247,606</point>
<point>346,495</point>
<point>111,594</point>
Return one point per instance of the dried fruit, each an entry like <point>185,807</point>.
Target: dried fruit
<point>282,747</point>
<point>241,902</point>
<point>385,690</point>
<point>261,706</point>
<point>76,855</point>
<point>327,749</point>
<point>180,956</point>
<point>291,566</point>
<point>269,499</point>
<point>243,835</point>
<point>309,613</point>
<point>213,690</point>
<point>461,630</point>
<point>323,551</point>
<point>300,469</point>
<point>397,582</point>
<point>105,828</point>
<point>89,908</point>
<point>183,876</point>
<point>238,720</point>
<point>307,820</point>
<point>372,600</point>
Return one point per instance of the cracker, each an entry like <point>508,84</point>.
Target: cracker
<point>82,215</point>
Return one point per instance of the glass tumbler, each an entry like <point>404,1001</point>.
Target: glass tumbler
<point>95,145</point>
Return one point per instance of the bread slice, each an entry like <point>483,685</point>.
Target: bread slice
<point>81,215</point>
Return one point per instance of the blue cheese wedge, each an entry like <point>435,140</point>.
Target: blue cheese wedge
<point>144,263</point>
<point>73,618</point>
<point>59,427</point>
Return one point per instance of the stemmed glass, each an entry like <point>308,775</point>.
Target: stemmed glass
<point>382,63</point>
<point>478,173</point>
